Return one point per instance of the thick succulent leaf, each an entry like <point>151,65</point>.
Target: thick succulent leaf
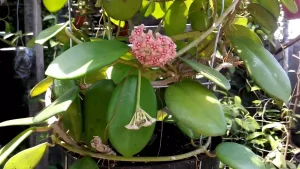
<point>120,9</point>
<point>86,57</point>
<point>238,156</point>
<point>272,6</point>
<point>121,71</point>
<point>245,32</point>
<point>176,18</point>
<point>58,106</point>
<point>18,122</point>
<point>96,103</point>
<point>187,131</point>
<point>72,117</point>
<point>14,143</point>
<point>41,87</point>
<point>263,17</point>
<point>291,5</point>
<point>209,73</point>
<point>85,162</point>
<point>48,33</point>
<point>196,107</point>
<point>27,159</point>
<point>54,5</point>
<point>200,15</point>
<point>121,110</point>
<point>263,68</point>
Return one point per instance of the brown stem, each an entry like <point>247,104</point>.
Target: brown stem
<point>165,82</point>
<point>125,62</point>
<point>288,44</point>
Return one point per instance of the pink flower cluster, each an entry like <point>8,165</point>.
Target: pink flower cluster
<point>149,50</point>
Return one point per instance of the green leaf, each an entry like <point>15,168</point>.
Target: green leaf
<point>249,124</point>
<point>147,8</point>
<point>121,71</point>
<point>125,9</point>
<point>237,100</point>
<point>273,143</point>
<point>254,88</point>
<point>196,107</point>
<point>291,5</point>
<point>200,15</point>
<point>54,5</point>
<point>14,143</point>
<point>31,43</point>
<point>121,109</point>
<point>209,73</point>
<point>85,162</point>
<point>272,6</point>
<point>96,103</point>
<point>41,87</point>
<point>190,133</point>
<point>48,17</point>
<point>263,17</point>
<point>275,125</point>
<point>260,142</point>
<point>279,160</point>
<point>176,18</point>
<point>58,106</point>
<point>48,33</point>
<point>7,27</point>
<point>238,156</point>
<point>254,135</point>
<point>243,21</point>
<point>243,32</point>
<point>86,57</point>
<point>263,68</point>
<point>18,122</point>
<point>27,159</point>
<point>159,12</point>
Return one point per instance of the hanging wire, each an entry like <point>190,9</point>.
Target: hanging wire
<point>70,19</point>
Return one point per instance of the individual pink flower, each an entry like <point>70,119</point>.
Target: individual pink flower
<point>149,50</point>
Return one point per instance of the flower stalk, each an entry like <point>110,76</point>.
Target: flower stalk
<point>140,118</point>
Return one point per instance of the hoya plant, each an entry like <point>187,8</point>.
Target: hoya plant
<point>105,95</point>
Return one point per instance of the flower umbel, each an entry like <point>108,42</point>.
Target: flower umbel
<point>140,119</point>
<point>149,50</point>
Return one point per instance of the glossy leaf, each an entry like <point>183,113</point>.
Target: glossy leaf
<point>187,131</point>
<point>209,73</point>
<point>125,9</point>
<point>242,31</point>
<point>96,103</point>
<point>72,117</point>
<point>121,71</point>
<point>54,5</point>
<point>85,162</point>
<point>27,159</point>
<point>148,8</point>
<point>254,135</point>
<point>263,17</point>
<point>238,156</point>
<point>86,57</point>
<point>48,33</point>
<point>41,87</point>
<point>159,12</point>
<point>272,6</point>
<point>291,5</point>
<point>121,109</point>
<point>58,106</point>
<point>176,18</point>
<point>196,107</point>
<point>14,143</point>
<point>263,68</point>
<point>200,15</point>
<point>18,122</point>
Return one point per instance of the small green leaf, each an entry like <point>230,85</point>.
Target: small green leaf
<point>279,160</point>
<point>48,33</point>
<point>263,17</point>
<point>260,142</point>
<point>238,156</point>
<point>273,143</point>
<point>148,8</point>
<point>14,143</point>
<point>85,162</point>
<point>54,5</point>
<point>249,124</point>
<point>240,21</point>
<point>159,12</point>
<point>291,5</point>
<point>31,43</point>
<point>237,100</point>
<point>125,9</point>
<point>196,107</point>
<point>254,135</point>
<point>254,88</point>
<point>200,15</point>
<point>41,87</point>
<point>176,18</point>
<point>209,73</point>
<point>86,57</point>
<point>18,122</point>
<point>27,159</point>
<point>7,27</point>
<point>121,109</point>
<point>48,17</point>
<point>263,68</point>
<point>58,106</point>
<point>275,125</point>
<point>121,71</point>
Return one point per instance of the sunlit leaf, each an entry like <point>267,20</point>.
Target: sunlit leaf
<point>41,87</point>
<point>48,33</point>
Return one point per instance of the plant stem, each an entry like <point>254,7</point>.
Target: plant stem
<point>138,93</point>
<point>72,36</point>
<point>133,159</point>
<point>210,30</point>
<point>125,62</point>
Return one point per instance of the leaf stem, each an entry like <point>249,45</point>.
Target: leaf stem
<point>138,93</point>
<point>210,30</point>
<point>72,36</point>
<point>133,159</point>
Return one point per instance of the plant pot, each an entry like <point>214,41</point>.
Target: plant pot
<point>173,142</point>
